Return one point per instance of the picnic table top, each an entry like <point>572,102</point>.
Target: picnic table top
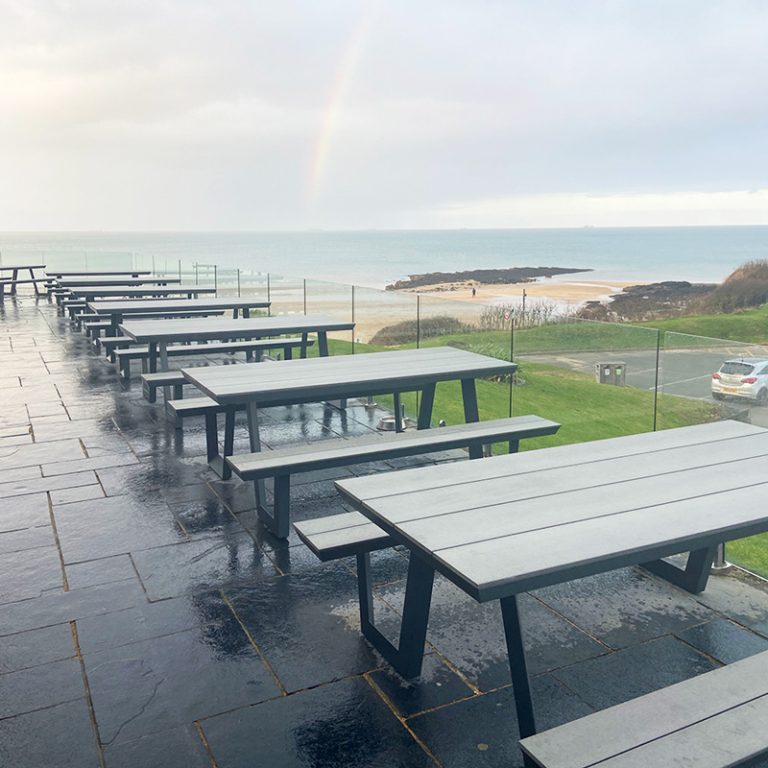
<point>137,290</point>
<point>118,281</point>
<point>201,329</point>
<point>130,306</point>
<point>324,378</point>
<point>11,267</point>
<point>512,523</point>
<point>127,272</point>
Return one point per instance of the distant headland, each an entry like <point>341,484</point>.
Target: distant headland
<point>448,281</point>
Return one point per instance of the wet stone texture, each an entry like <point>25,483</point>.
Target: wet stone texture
<point>147,619</point>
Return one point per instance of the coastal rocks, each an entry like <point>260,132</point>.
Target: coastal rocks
<point>647,302</point>
<point>455,280</point>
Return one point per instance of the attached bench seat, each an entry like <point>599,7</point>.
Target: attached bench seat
<point>284,462</point>
<point>716,720</point>
<point>253,348</point>
<point>85,317</point>
<point>342,535</point>
<point>92,328</point>
<point>151,382</point>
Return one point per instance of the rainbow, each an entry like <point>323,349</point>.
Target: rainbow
<point>337,97</point>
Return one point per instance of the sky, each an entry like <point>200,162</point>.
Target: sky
<point>232,115</point>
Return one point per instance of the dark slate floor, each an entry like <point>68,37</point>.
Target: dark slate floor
<point>147,620</point>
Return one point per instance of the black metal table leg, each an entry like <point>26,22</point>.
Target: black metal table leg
<point>252,412</point>
<point>471,413</point>
<point>425,409</point>
<point>322,343</point>
<point>695,575</point>
<point>408,657</point>
<point>521,684</point>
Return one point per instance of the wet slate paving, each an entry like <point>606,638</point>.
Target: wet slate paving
<point>148,619</point>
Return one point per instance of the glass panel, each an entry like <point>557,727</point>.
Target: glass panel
<point>687,382</point>
<point>332,300</point>
<point>476,327</point>
<point>591,377</point>
<point>286,294</point>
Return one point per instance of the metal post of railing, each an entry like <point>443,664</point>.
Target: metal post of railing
<point>511,355</point>
<point>179,269</point>
<point>720,563</point>
<point>238,282</point>
<point>153,264</point>
<point>269,296</point>
<point>305,295</point>
<point>418,320</point>
<point>196,273</point>
<point>215,280</point>
<point>656,382</point>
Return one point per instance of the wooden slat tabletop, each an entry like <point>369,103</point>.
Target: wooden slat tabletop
<point>132,306</point>
<point>326,378</point>
<point>518,522</point>
<point>127,273</point>
<point>194,329</point>
<point>138,290</point>
<point>107,282</point>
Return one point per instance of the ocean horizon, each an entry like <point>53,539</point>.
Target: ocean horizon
<point>375,258</point>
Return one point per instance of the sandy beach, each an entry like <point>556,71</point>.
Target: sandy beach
<point>565,293</point>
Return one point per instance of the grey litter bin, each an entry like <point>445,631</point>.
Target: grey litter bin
<point>611,373</point>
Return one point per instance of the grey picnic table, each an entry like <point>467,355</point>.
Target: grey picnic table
<point>87,293</point>
<point>158,334</point>
<point>117,310</point>
<point>97,273</point>
<point>509,524</point>
<point>106,282</point>
<point>340,377</point>
<point>14,269</point>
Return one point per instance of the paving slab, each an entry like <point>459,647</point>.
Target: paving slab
<point>223,560</point>
<point>60,736</point>
<point>146,687</point>
<point>104,570</point>
<point>307,625</point>
<point>481,732</point>
<point>632,672</point>
<point>625,607</point>
<point>35,647</point>
<point>339,725</point>
<point>113,526</point>
<point>724,640</point>
<point>176,748</point>
<point>41,686</point>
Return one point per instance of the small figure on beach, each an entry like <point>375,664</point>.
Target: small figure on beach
<point>474,292</point>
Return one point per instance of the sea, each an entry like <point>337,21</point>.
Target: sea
<point>375,258</point>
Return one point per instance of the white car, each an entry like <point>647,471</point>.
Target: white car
<point>746,377</point>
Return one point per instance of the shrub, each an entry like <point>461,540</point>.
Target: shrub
<point>745,287</point>
<point>406,331</point>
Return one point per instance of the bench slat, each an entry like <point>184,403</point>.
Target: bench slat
<point>182,350</point>
<point>194,406</point>
<point>726,740</point>
<point>307,458</point>
<point>163,378</point>
<point>342,535</point>
<point>662,723</point>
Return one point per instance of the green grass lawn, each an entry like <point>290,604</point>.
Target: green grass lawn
<point>587,410</point>
<point>749,326</point>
